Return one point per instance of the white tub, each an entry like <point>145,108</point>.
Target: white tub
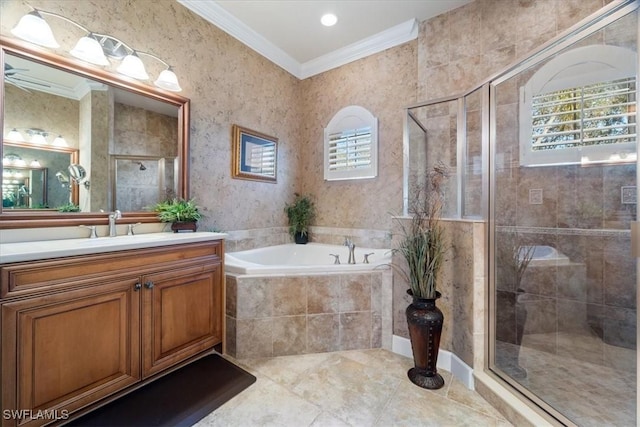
<point>309,258</point>
<point>543,255</point>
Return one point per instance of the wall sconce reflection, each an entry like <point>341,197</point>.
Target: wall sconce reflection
<point>36,136</point>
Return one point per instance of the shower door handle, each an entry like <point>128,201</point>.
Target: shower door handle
<point>635,239</point>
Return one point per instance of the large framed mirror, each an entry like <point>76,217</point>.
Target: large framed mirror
<point>98,121</point>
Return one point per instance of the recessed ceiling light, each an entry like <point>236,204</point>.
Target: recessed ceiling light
<point>329,20</point>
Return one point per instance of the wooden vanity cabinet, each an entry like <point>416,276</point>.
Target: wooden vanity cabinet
<point>102,331</point>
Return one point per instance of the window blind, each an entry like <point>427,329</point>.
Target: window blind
<point>597,114</point>
<point>350,149</point>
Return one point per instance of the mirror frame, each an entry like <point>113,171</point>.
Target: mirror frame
<point>26,219</point>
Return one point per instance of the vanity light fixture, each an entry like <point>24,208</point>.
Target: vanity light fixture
<point>38,136</point>
<point>132,66</point>
<point>59,142</point>
<point>94,48</point>
<point>35,164</point>
<point>11,159</point>
<point>89,49</point>
<point>15,135</point>
<point>329,19</point>
<point>33,28</point>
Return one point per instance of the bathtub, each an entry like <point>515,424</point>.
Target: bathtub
<point>292,299</point>
<point>543,255</point>
<point>295,259</point>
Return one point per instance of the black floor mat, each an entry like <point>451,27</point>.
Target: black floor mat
<point>180,398</point>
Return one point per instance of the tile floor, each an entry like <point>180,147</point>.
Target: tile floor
<point>589,394</point>
<point>349,388</point>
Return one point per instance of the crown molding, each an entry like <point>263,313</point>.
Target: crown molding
<point>228,23</point>
<point>394,36</point>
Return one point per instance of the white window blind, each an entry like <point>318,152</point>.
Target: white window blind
<point>351,145</point>
<point>581,108</point>
<point>601,113</point>
<point>350,149</point>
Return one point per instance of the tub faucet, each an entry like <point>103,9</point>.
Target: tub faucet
<point>112,222</point>
<point>352,247</point>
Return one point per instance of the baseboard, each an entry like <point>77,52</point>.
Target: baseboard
<point>446,360</point>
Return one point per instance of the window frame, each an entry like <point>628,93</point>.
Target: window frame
<point>351,119</point>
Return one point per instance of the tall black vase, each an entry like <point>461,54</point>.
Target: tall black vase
<point>425,328</point>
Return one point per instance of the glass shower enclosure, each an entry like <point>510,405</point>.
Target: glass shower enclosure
<point>546,152</point>
<point>563,201</point>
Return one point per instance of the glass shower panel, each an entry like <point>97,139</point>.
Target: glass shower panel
<point>472,206</point>
<point>564,281</point>
<point>432,137</point>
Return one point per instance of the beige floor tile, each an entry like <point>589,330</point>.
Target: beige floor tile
<point>359,388</point>
<point>412,406</point>
<point>264,403</point>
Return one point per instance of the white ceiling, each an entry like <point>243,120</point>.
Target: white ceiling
<point>289,33</point>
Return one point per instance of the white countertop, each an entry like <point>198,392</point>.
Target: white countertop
<point>46,249</point>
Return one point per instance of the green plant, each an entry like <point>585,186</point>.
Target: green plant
<point>300,213</point>
<point>422,243</point>
<point>177,210</point>
<point>69,207</point>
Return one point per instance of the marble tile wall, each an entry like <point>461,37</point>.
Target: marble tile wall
<point>239,240</point>
<point>283,315</point>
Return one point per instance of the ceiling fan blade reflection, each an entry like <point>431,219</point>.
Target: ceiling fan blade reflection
<point>8,81</point>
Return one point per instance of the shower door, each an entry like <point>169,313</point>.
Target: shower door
<point>564,191</point>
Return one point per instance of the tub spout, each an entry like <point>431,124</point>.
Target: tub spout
<point>352,247</point>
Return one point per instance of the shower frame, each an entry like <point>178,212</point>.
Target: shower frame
<point>588,26</point>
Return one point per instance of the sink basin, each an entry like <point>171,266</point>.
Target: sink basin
<point>46,249</point>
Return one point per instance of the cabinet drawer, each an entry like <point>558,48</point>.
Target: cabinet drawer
<point>30,277</point>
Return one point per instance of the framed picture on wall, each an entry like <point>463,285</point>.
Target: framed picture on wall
<point>255,155</point>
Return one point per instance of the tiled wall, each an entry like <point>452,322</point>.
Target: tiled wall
<point>283,315</point>
<point>257,238</point>
<point>590,296</point>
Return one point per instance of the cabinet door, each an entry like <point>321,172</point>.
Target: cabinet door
<point>70,349</point>
<point>182,314</point>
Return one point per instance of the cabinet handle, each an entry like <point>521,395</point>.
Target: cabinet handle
<point>137,287</point>
<point>149,284</point>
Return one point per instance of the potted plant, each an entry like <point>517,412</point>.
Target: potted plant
<point>423,246</point>
<point>300,213</point>
<point>182,214</point>
<point>69,207</point>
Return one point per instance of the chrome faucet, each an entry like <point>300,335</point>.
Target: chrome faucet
<point>352,247</point>
<point>112,222</point>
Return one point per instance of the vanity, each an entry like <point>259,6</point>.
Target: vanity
<point>84,320</point>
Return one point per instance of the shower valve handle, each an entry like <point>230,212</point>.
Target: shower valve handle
<point>337,258</point>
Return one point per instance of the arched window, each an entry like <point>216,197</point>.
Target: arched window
<point>580,108</point>
<point>351,145</point>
